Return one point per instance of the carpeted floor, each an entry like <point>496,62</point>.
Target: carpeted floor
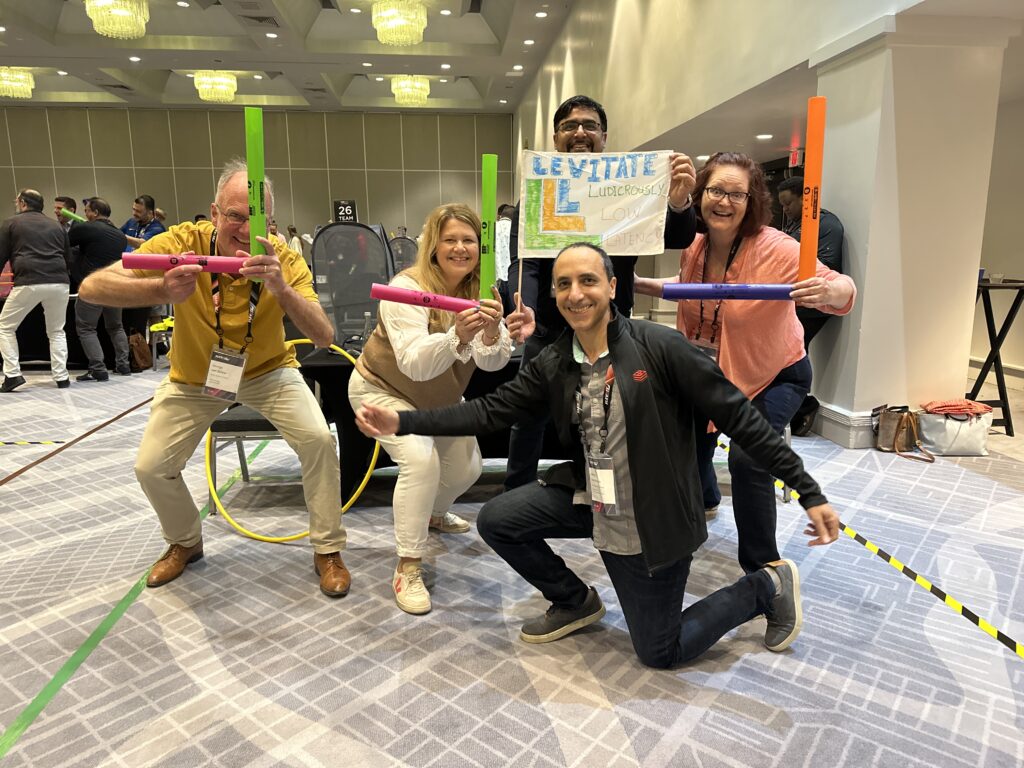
<point>243,662</point>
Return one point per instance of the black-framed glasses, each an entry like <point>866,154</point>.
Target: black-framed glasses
<point>233,217</point>
<point>717,193</point>
<point>571,126</point>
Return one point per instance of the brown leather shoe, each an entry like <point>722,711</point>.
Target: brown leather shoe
<point>334,576</point>
<point>172,564</point>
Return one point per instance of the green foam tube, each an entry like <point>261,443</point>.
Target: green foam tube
<point>488,216</point>
<point>69,214</point>
<point>254,163</point>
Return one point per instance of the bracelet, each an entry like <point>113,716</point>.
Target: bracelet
<point>689,202</point>
<point>493,339</point>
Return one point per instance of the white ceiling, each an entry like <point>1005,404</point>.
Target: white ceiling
<point>316,62</point>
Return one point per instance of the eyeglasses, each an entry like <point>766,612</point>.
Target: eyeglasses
<point>571,126</point>
<point>717,193</point>
<point>233,217</point>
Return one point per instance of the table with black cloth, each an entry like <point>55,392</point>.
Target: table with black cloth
<point>995,340</point>
<point>34,346</point>
<point>331,372</point>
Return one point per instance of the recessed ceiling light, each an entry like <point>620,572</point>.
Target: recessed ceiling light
<point>272,35</point>
<point>503,101</point>
<point>3,29</point>
<point>518,67</point>
<point>134,58</point>
<point>527,42</point>
<point>356,10</point>
<point>182,4</point>
<point>541,14</point>
<point>446,66</point>
<point>61,72</point>
<point>446,12</point>
<point>379,79</point>
<point>257,77</point>
<point>443,80</point>
<point>189,75</point>
<point>703,158</point>
<point>367,64</point>
<point>763,136</point>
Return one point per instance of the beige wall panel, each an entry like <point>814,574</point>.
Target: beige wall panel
<point>117,187</point>
<point>348,185</point>
<point>283,210</point>
<point>5,143</point>
<point>196,189</point>
<point>275,140</point>
<point>345,140</point>
<point>78,183</point>
<point>506,191</point>
<point>37,178</point>
<point>69,130</point>
<point>30,142</point>
<point>307,140</point>
<point>227,133</point>
<point>458,142</point>
<point>151,138</point>
<point>383,141</point>
<point>422,195</point>
<point>190,139</point>
<point>159,182</point>
<point>419,142</point>
<point>8,188</point>
<point>312,199</point>
<point>386,204</point>
<point>460,187</point>
<point>111,142</point>
<point>494,136</point>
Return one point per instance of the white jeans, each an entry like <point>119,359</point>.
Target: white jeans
<point>23,299</point>
<point>432,471</point>
<point>178,420</point>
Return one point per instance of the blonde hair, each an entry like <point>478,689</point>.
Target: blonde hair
<point>426,271</point>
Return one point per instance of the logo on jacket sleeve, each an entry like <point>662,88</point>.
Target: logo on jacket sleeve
<point>640,375</point>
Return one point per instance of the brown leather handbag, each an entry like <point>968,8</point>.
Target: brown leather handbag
<point>898,433</point>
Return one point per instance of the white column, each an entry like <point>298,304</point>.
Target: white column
<point>908,148</point>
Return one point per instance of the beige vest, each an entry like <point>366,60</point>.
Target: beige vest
<point>377,364</point>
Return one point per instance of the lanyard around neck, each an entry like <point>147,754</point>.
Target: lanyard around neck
<point>715,325</point>
<point>609,383</point>
<point>254,298</point>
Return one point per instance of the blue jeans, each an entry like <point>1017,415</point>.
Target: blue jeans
<point>516,525</point>
<point>526,440</point>
<point>753,488</point>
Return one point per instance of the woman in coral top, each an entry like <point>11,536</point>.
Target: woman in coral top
<point>758,344</point>
<point>418,358</point>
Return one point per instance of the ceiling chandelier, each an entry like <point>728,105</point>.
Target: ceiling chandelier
<point>215,86</point>
<point>410,90</point>
<point>399,22</point>
<point>16,83</point>
<point>122,19</point>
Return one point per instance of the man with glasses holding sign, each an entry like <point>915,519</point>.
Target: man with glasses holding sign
<point>229,346</point>
<point>580,125</point>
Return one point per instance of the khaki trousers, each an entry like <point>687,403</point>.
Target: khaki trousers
<point>178,420</point>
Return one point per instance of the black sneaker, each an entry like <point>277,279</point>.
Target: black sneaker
<point>559,622</point>
<point>123,371</point>
<point>11,383</point>
<point>93,376</point>
<point>785,616</point>
<point>63,383</point>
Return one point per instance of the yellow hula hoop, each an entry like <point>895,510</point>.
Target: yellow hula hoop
<point>294,537</point>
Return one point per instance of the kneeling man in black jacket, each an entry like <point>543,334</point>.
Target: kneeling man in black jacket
<point>622,394</point>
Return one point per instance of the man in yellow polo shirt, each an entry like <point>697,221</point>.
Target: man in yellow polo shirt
<point>223,325</point>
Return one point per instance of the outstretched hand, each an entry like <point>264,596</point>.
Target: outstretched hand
<point>375,421</point>
<point>522,322</point>
<point>823,525</point>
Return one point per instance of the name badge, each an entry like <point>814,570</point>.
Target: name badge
<point>601,473</point>
<point>224,376</point>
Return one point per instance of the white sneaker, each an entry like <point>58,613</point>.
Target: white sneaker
<point>449,522</point>
<point>410,592</point>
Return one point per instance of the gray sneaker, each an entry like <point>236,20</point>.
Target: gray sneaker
<point>785,617</point>
<point>559,622</point>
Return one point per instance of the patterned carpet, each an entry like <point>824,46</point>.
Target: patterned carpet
<point>243,662</point>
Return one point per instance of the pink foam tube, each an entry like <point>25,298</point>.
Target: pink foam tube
<point>420,298</point>
<point>164,261</point>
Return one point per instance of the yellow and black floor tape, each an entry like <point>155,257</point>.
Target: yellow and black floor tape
<point>921,581</point>
<point>31,442</point>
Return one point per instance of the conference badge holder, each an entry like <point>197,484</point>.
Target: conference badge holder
<point>601,473</point>
<point>224,377</point>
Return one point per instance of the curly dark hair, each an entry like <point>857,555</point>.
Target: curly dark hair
<point>759,204</point>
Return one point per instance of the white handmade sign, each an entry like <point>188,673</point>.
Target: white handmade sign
<point>616,200</point>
